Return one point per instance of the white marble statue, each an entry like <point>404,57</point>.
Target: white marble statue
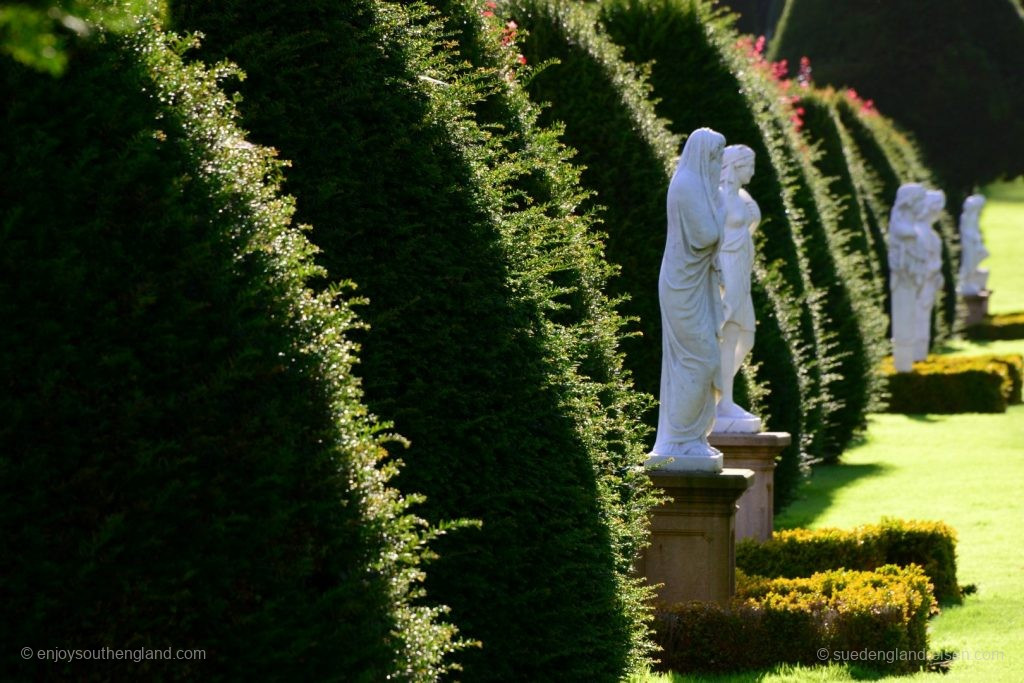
<point>930,247</point>
<point>973,280</point>
<point>737,261</point>
<point>906,272</point>
<point>691,309</point>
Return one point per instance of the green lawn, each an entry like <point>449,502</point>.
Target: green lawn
<point>967,470</point>
<point>1002,226</point>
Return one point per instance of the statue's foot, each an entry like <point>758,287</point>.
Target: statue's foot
<point>729,410</point>
<point>730,418</point>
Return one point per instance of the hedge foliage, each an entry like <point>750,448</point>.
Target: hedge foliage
<point>951,72</point>
<point>1003,326</point>
<point>955,384</point>
<point>775,621</point>
<point>794,553</point>
<point>891,159</point>
<point>187,460</point>
<point>703,75</point>
<point>628,154</point>
<point>41,33</point>
<point>490,343</point>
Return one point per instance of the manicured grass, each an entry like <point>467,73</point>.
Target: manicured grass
<point>1002,226</point>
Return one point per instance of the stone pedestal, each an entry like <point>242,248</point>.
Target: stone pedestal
<point>755,452</point>
<point>977,307</point>
<point>693,539</point>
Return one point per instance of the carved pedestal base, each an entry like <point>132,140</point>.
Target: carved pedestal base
<point>692,549</point>
<point>755,452</point>
<point>977,307</point>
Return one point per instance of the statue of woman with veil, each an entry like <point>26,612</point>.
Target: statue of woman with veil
<point>691,308</point>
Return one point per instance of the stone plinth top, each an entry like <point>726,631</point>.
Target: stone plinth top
<point>728,479</point>
<point>760,440</point>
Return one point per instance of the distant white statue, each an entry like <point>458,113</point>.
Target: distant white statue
<point>742,216</point>
<point>973,280</point>
<point>930,247</point>
<point>906,272</point>
<point>691,308</point>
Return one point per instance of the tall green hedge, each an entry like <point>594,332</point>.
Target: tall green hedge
<point>628,155</point>
<point>893,159</point>
<point>489,343</point>
<point>952,72</point>
<point>187,461</point>
<point>701,76</point>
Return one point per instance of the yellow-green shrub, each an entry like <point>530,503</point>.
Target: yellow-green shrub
<point>802,552</point>
<point>955,384</point>
<point>1006,326</point>
<point>773,621</point>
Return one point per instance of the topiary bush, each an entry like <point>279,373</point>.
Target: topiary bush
<point>954,384</point>
<point>893,159</point>
<point>960,59</point>
<point>794,553</point>
<point>628,154</point>
<point>490,343</point>
<point>1003,326</point>
<point>187,460</point>
<point>792,621</point>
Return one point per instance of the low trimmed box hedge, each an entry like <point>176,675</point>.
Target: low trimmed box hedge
<point>955,384</point>
<point>1005,326</point>
<point>796,621</point>
<point>803,552</point>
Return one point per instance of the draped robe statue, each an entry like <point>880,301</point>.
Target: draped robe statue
<point>691,308</point>
<point>736,256</point>
<point>973,280</point>
<point>906,272</point>
<point>930,248</point>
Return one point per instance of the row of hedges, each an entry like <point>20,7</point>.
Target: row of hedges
<point>956,384</point>
<point>490,344</point>
<point>187,460</point>
<point>628,155</point>
<point>952,72</point>
<point>838,614</point>
<point>1004,326</point>
<point>892,159</point>
<point>796,553</point>
<point>701,77</point>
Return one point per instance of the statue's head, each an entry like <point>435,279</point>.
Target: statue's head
<point>910,198</point>
<point>702,155</point>
<point>974,203</point>
<point>738,164</point>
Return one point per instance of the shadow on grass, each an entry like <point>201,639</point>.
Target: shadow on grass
<point>816,495</point>
<point>779,674</point>
<point>922,417</point>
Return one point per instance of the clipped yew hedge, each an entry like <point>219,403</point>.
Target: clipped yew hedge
<point>489,341</point>
<point>794,553</point>
<point>893,159</point>
<point>795,621</point>
<point>627,155</point>
<point>701,76</point>
<point>187,460</point>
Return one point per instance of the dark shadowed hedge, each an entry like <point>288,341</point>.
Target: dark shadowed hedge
<point>701,77</point>
<point>490,344</point>
<point>952,72</point>
<point>186,458</point>
<point>628,154</point>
